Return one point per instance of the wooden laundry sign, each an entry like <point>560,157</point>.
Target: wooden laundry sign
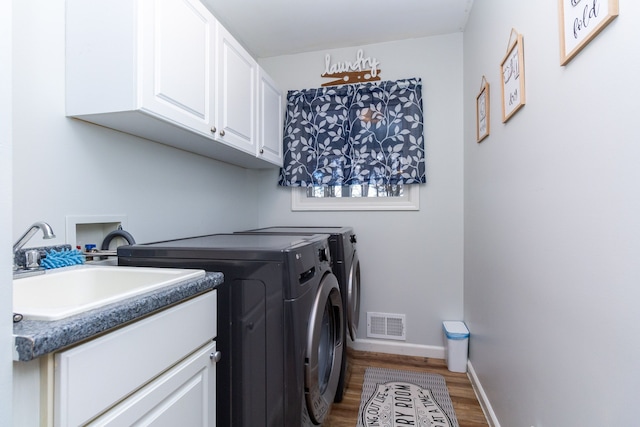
<point>359,71</point>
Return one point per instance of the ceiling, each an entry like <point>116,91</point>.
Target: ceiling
<point>279,27</point>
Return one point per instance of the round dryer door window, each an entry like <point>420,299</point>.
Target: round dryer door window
<point>353,297</point>
<point>324,349</point>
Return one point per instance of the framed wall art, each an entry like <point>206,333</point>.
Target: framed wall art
<point>483,111</point>
<point>512,75</point>
<point>580,22</point>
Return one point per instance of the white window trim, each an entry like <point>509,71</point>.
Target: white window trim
<point>409,202</point>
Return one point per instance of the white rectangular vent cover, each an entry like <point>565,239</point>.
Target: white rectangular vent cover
<point>386,326</point>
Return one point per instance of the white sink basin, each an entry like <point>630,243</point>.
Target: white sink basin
<point>61,293</point>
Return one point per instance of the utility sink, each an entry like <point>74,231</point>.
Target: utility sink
<point>62,293</point>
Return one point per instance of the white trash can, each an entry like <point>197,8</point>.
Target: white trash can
<point>456,345</point>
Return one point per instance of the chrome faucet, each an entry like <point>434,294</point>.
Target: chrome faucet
<point>40,225</point>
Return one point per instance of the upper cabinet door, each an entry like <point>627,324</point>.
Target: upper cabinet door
<point>177,62</point>
<point>270,119</point>
<point>236,94</point>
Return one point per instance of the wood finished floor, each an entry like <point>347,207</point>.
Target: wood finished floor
<point>345,414</point>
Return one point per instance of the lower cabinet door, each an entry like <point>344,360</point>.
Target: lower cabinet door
<point>185,395</point>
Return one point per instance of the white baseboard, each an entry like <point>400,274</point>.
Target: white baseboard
<point>380,346</point>
<point>482,397</point>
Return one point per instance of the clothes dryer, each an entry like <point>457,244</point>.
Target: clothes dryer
<point>346,267</point>
<point>280,323</point>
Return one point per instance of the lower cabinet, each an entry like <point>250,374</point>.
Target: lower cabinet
<point>154,371</point>
<point>183,396</point>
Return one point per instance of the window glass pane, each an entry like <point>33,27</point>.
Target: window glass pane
<point>354,191</point>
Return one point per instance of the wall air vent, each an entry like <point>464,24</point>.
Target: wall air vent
<point>386,326</point>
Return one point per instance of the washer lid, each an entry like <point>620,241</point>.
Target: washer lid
<point>221,246</point>
<point>304,229</point>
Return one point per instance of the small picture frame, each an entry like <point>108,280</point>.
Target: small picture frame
<point>483,111</point>
<point>580,22</point>
<point>512,77</point>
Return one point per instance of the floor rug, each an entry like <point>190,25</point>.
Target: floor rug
<point>393,398</point>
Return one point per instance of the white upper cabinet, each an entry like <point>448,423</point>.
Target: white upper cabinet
<point>270,118</point>
<point>177,62</point>
<point>167,71</point>
<point>236,93</point>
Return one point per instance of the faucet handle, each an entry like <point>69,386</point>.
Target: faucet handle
<point>32,259</point>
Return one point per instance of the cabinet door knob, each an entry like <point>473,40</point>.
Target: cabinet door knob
<point>222,132</point>
<point>261,151</point>
<point>213,129</point>
<point>215,356</point>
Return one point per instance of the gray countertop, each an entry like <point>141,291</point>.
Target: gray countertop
<point>35,338</point>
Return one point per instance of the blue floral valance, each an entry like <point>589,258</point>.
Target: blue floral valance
<point>370,133</point>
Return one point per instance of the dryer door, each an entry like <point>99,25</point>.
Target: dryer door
<point>324,349</point>
<point>353,297</point>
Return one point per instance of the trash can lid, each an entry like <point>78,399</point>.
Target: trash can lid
<point>455,330</point>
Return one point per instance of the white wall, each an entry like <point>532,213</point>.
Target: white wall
<point>5,213</point>
<point>63,166</point>
<point>552,238</point>
<point>411,261</point>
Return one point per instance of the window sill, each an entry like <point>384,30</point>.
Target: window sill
<point>409,202</point>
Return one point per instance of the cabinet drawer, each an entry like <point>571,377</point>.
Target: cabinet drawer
<point>94,376</point>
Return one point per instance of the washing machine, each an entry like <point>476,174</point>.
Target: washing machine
<point>346,267</point>
<point>280,323</point>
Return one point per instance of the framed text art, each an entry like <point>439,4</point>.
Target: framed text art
<point>580,22</point>
<point>512,75</point>
<point>483,111</point>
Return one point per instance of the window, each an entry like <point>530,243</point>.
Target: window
<point>407,200</point>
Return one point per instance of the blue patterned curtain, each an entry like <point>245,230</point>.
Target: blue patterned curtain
<point>370,133</point>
